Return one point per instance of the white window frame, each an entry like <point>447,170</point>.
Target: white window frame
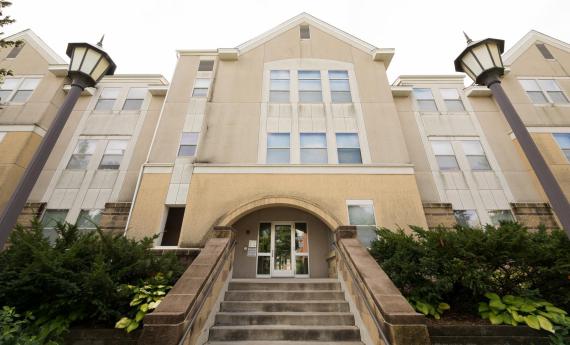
<point>544,92</point>
<point>141,99</point>
<point>473,155</point>
<point>278,148</point>
<point>361,203</point>
<point>418,100</point>
<point>442,92</point>
<point>107,148</point>
<point>301,91</point>
<point>335,92</point>
<point>201,88</point>
<point>271,90</point>
<point>195,145</point>
<point>435,155</point>
<point>100,98</point>
<point>325,148</point>
<point>565,150</point>
<point>18,86</point>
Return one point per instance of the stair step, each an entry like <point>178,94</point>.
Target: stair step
<point>285,306</point>
<point>283,285</point>
<point>330,319</point>
<point>299,333</point>
<point>284,342</point>
<point>284,295</point>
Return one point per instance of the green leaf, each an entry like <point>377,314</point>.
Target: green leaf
<point>443,306</point>
<point>527,308</point>
<point>492,296</point>
<point>509,299</point>
<point>483,307</point>
<point>144,307</point>
<point>497,304</point>
<point>545,324</point>
<point>495,319</point>
<point>153,305</point>
<point>517,317</point>
<point>123,323</point>
<point>507,318</point>
<point>552,309</point>
<point>485,315</point>
<point>140,315</point>
<point>532,322</point>
<point>422,307</point>
<point>132,326</point>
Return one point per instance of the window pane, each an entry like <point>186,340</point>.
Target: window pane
<point>29,84</point>
<point>264,245</point>
<point>116,147</point>
<point>447,162</point>
<point>5,95</point>
<point>132,104</point>
<point>314,140</point>
<point>472,147</point>
<point>186,150</point>
<point>366,235</point>
<point>309,75</point>
<point>348,156</point>
<point>279,74</point>
<point>427,105</point>
<point>567,154</point>
<point>89,219</point>
<point>314,156</point>
<point>341,97</point>
<point>278,140</point>
<point>206,65</point>
<point>78,161</point>
<point>279,96</point>
<point>202,83</point>
<point>310,96</point>
<point>21,96</point>
<point>105,104</point>
<point>137,92</point>
<point>52,217</point>
<point>304,32</point>
<point>10,83</point>
<point>340,85</point>
<point>275,156</point>
<point>529,85</point>
<point>86,146</point>
<point>478,163</point>
<point>441,147</point>
<point>302,265</point>
<point>111,162</point>
<point>557,97</point>
<point>338,74</point>
<point>537,97</point>
<point>361,215</point>
<point>263,264</point>
<point>449,93</point>
<point>189,138</point>
<point>423,94</point>
<point>544,51</point>
<point>454,106</point>
<point>467,218</point>
<point>200,93</point>
<point>548,85</point>
<point>110,92</point>
<point>563,140</point>
<point>282,85</point>
<point>310,85</point>
<point>498,216</point>
<point>347,140</point>
<point>301,238</point>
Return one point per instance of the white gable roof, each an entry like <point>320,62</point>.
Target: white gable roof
<point>34,40</point>
<point>528,40</point>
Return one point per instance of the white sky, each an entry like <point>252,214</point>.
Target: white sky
<point>142,35</point>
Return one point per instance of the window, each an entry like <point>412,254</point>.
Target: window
<point>135,98</point>
<point>304,32</point>
<point>279,86</point>
<point>201,87</point>
<point>107,98</point>
<point>172,227</point>
<point>113,154</point>
<point>425,100</point>
<point>301,249</point>
<point>544,51</point>
<point>499,216</point>
<point>475,155</point>
<point>18,90</point>
<point>563,140</point>
<point>467,218</point>
<point>310,87</point>
<point>188,144</point>
<point>49,221</point>
<point>444,155</point>
<point>348,148</point>
<point>314,148</point>
<point>278,147</point>
<point>82,154</point>
<point>452,100</point>
<point>340,87</point>
<point>206,65</point>
<point>15,51</point>
<point>89,219</point>
<point>542,91</point>
<point>361,214</point>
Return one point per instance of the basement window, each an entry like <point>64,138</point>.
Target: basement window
<point>304,32</point>
<point>544,51</point>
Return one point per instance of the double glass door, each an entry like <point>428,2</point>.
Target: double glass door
<point>283,250</point>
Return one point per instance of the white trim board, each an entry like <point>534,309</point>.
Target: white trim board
<point>23,128</point>
<point>306,169</point>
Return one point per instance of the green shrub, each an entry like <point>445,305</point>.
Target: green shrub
<point>460,265</point>
<point>77,278</point>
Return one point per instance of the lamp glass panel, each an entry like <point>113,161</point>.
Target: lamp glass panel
<point>470,61</point>
<point>495,53</point>
<point>467,71</point>
<point>77,57</point>
<point>484,57</point>
<point>91,59</point>
<point>100,70</point>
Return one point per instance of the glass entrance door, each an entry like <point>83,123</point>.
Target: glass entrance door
<point>282,250</point>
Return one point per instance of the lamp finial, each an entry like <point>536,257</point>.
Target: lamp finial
<point>100,43</point>
<point>469,40</point>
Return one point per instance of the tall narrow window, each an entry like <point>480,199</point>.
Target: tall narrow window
<point>304,32</point>
<point>444,155</point>
<point>135,98</point>
<point>18,90</point>
<point>425,100</point>
<point>542,91</point>
<point>107,98</point>
<point>544,51</point>
<point>314,148</point>
<point>475,155</point>
<point>301,249</point>
<point>279,86</point>
<point>206,65</point>
<point>340,87</point>
<point>172,227</point>
<point>278,147</point>
<point>15,51</point>
<point>264,249</point>
<point>467,218</point>
<point>201,87</point>
<point>310,90</point>
<point>50,220</point>
<point>188,144</point>
<point>498,216</point>
<point>89,219</point>
<point>114,153</point>
<point>563,140</point>
<point>348,148</point>
<point>82,154</point>
<point>361,214</point>
<point>452,100</point>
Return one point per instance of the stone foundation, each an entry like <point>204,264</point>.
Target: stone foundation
<point>439,214</point>
<point>114,217</point>
<point>534,214</point>
<point>29,212</point>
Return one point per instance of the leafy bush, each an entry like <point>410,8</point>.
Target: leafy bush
<point>428,309</point>
<point>77,278</point>
<point>460,265</point>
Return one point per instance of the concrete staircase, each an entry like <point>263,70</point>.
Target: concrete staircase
<point>284,312</point>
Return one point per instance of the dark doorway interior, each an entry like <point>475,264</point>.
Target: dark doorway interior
<point>172,227</point>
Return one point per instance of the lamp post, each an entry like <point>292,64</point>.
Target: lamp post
<point>482,62</point>
<point>88,65</point>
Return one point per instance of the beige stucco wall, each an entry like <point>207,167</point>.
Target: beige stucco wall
<point>149,211</point>
<point>396,198</point>
<point>247,229</point>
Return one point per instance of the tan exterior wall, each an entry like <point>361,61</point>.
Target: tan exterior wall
<point>149,210</point>
<point>396,198</point>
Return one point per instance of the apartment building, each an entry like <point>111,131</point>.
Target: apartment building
<point>285,138</point>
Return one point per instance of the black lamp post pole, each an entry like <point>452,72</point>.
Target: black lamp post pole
<point>554,193</point>
<point>28,180</point>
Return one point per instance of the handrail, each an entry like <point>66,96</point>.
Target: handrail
<point>362,295</point>
<point>205,292</point>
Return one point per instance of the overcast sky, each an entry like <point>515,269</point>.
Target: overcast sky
<point>143,35</point>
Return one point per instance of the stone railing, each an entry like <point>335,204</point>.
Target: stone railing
<point>184,311</point>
